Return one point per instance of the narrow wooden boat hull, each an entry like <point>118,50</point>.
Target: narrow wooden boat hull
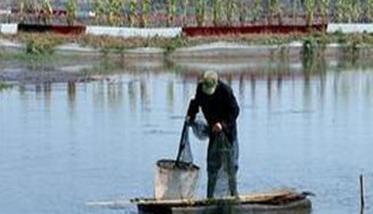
<point>279,202</point>
<point>252,29</point>
<point>296,207</point>
<point>60,29</point>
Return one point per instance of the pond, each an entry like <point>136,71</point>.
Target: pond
<point>64,142</point>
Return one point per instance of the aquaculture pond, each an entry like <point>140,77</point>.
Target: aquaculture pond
<point>93,129</point>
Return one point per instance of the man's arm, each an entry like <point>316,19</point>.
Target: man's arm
<point>194,104</point>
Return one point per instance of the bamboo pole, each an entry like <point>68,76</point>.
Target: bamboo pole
<point>362,201</point>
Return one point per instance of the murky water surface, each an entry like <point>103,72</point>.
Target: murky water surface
<point>63,144</point>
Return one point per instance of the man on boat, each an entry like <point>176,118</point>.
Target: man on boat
<point>220,108</point>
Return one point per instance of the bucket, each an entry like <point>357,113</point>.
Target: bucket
<point>175,181</point>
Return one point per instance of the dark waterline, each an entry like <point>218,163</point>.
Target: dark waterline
<point>306,126</point>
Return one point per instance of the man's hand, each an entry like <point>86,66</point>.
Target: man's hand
<point>217,128</point>
<point>188,119</point>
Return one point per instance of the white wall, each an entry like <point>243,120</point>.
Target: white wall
<point>133,32</point>
<point>8,28</point>
<point>350,28</point>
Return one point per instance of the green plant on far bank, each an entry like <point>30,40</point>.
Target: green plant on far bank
<point>256,11</point>
<point>217,12</point>
<point>171,12</point>
<point>200,9</point>
<point>36,45</point>
<point>310,8</point>
<point>294,9</point>
<point>4,85</point>
<point>47,11</point>
<point>347,11</point>
<point>309,47</point>
<point>230,10</point>
<point>310,53</point>
<point>22,8</point>
<point>132,12</point>
<point>353,46</point>
<point>353,10</point>
<point>324,11</point>
<point>99,8</point>
<point>71,9</point>
<point>185,12</point>
<point>145,12</point>
<point>173,44</point>
<point>338,11</point>
<point>114,12</point>
<point>274,9</point>
<point>242,11</point>
<point>370,10</point>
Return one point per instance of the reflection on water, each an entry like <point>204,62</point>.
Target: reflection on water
<point>304,125</point>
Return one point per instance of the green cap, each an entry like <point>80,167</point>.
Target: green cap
<point>209,82</point>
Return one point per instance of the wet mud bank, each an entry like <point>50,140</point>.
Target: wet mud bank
<point>85,64</point>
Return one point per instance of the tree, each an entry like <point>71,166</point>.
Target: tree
<point>71,8</point>
<point>256,10</point>
<point>185,12</point>
<point>274,9</point>
<point>231,7</point>
<point>47,11</point>
<point>200,12</point>
<point>295,5</point>
<point>99,8</point>
<point>324,11</point>
<point>171,11</point>
<point>310,7</point>
<point>353,10</point>
<point>217,11</point>
<point>370,10</point>
<point>114,11</point>
<point>132,14</point>
<point>145,11</point>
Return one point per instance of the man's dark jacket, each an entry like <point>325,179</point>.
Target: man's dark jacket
<point>219,107</point>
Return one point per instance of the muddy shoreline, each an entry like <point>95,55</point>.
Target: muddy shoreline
<point>85,64</point>
<point>217,49</point>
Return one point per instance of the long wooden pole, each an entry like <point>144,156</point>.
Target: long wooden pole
<point>362,201</point>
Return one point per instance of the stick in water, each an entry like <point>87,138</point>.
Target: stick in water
<point>362,191</point>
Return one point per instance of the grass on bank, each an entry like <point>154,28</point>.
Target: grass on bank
<point>44,44</point>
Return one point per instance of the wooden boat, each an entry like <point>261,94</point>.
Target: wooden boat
<point>277,202</point>
<point>252,29</point>
<point>59,29</point>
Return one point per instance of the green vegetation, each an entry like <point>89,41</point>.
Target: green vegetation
<point>200,12</point>
<point>132,13</point>
<point>171,12</point>
<point>217,12</point>
<point>46,6</point>
<point>274,10</point>
<point>99,8</point>
<point>114,11</point>
<point>43,45</point>
<point>230,11</point>
<point>310,7</point>
<point>40,45</point>
<point>324,11</point>
<point>294,9</point>
<point>71,9</point>
<point>185,12</point>
<point>370,9</point>
<point>4,85</point>
<point>256,10</point>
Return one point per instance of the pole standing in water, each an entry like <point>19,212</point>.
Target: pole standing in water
<point>220,108</point>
